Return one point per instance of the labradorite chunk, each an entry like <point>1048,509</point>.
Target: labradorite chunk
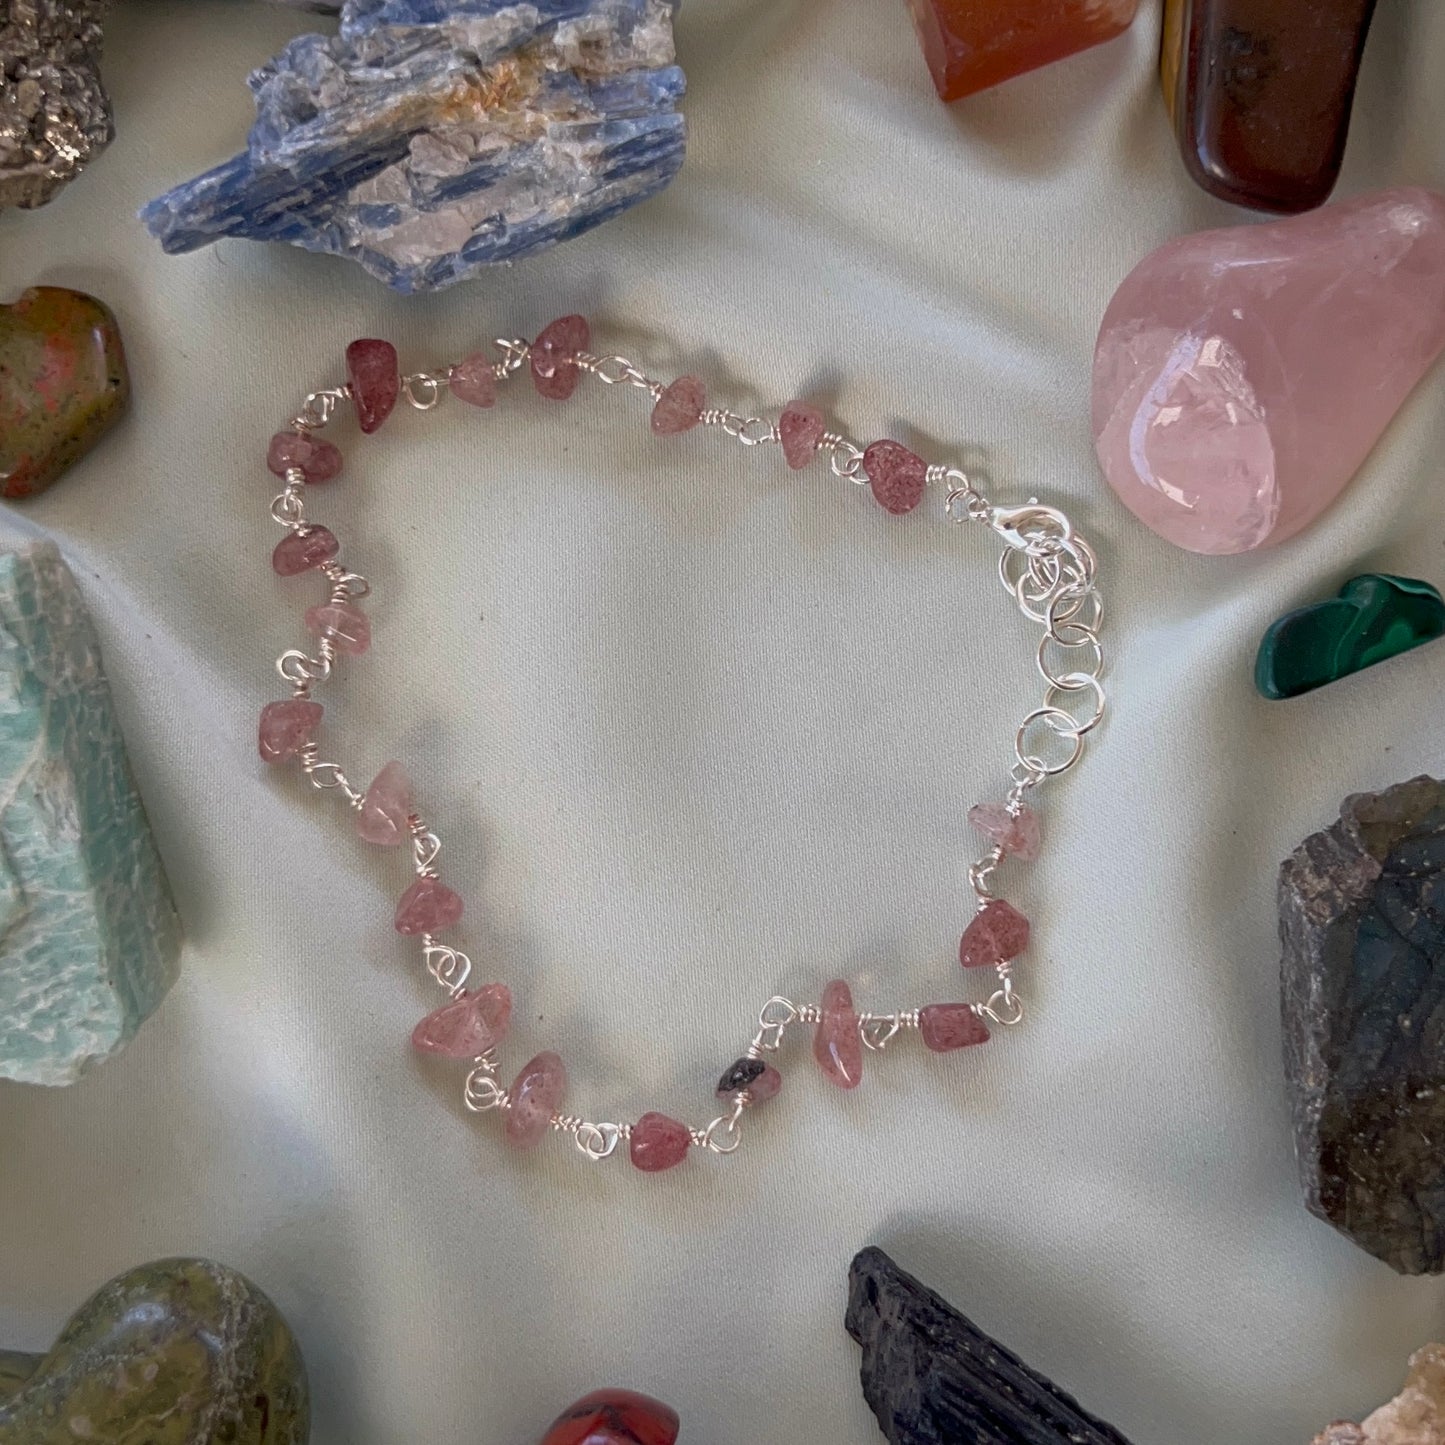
<point>181,1352</point>
<point>89,938</point>
<point>1375,617</point>
<point>1362,923</point>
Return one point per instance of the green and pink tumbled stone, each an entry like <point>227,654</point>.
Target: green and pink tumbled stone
<point>63,384</point>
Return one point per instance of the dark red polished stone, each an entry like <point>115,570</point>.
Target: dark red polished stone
<point>1260,94</point>
<point>375,376</point>
<point>614,1417</point>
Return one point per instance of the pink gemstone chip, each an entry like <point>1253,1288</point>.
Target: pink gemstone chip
<point>1020,836</point>
<point>470,1025</point>
<point>318,459</point>
<point>384,817</point>
<point>838,1046</point>
<point>998,932</point>
<point>679,408</point>
<point>766,1085</point>
<point>554,372</point>
<point>427,907</point>
<point>944,1027</point>
<point>374,372</point>
<point>473,381</point>
<point>800,429</point>
<point>299,552</point>
<point>536,1095</point>
<point>286,727</point>
<point>658,1143</point>
<point>898,476</point>
<point>347,626</point>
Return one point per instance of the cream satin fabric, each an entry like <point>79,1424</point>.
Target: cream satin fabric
<point>695,730</point>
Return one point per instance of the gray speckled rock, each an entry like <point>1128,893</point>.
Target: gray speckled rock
<point>1362,920</point>
<point>89,938</point>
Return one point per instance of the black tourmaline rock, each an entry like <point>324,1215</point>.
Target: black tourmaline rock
<point>1362,920</point>
<point>740,1075</point>
<point>934,1378</point>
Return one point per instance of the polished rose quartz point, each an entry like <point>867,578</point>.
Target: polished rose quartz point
<point>615,1417</point>
<point>304,550</point>
<point>384,817</point>
<point>658,1143</point>
<point>554,372</point>
<point>997,933</point>
<point>470,1025</point>
<point>319,460</point>
<point>286,727</point>
<point>473,381</point>
<point>375,376</point>
<point>1019,836</point>
<point>944,1027</point>
<point>679,408</point>
<point>536,1095</point>
<point>898,476</point>
<point>1242,376</point>
<point>344,623</point>
<point>972,44</point>
<point>837,1045</point>
<point>800,430</point>
<point>428,906</point>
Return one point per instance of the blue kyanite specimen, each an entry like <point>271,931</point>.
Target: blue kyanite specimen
<point>89,939</point>
<point>432,138</point>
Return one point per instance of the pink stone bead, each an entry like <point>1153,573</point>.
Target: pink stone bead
<point>800,429</point>
<point>898,476</point>
<point>299,552</point>
<point>473,381</point>
<point>536,1095</point>
<point>470,1025</point>
<point>1019,836</point>
<point>838,1046</point>
<point>658,1143</point>
<point>944,1027</point>
<point>554,372</point>
<point>384,817</point>
<point>998,932</point>
<point>345,624</point>
<point>319,460</point>
<point>374,372</point>
<point>428,906</point>
<point>286,727</point>
<point>766,1085</point>
<point>679,408</point>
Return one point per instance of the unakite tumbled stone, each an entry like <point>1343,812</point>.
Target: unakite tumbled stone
<point>89,938</point>
<point>181,1352</point>
<point>1375,617</point>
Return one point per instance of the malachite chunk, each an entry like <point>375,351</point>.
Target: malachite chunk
<point>89,937</point>
<point>181,1352</point>
<point>1375,617</point>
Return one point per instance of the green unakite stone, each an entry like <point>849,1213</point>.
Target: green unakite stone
<point>63,384</point>
<point>1375,617</point>
<point>89,938</point>
<point>181,1352</point>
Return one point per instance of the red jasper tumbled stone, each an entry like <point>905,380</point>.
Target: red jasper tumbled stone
<point>615,1417</point>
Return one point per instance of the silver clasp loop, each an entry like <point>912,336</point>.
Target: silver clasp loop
<point>598,1141</point>
<point>1025,527</point>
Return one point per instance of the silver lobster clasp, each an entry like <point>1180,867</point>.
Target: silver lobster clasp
<point>1025,527</point>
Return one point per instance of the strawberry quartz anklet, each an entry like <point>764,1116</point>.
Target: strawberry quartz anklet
<point>1045,566</point>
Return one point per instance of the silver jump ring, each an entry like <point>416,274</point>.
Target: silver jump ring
<point>1062,724</point>
<point>1062,681</point>
<point>1075,682</point>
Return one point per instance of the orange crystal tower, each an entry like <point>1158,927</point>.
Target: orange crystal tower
<point>972,44</point>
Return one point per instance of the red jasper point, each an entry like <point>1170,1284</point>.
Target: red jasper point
<point>615,1417</point>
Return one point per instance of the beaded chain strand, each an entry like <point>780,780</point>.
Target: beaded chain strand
<point>1048,569</point>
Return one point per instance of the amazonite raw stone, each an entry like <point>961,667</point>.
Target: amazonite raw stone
<point>89,937</point>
